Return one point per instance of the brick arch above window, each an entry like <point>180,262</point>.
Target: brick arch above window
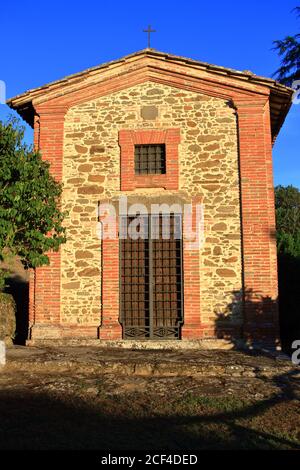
<point>127,141</point>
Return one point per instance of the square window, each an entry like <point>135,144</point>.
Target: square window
<point>150,159</point>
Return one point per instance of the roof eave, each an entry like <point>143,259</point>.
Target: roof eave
<point>23,103</point>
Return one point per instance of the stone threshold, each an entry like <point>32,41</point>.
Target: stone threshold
<point>199,344</point>
<point>204,344</point>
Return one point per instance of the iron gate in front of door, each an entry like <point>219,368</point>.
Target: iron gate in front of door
<point>151,290</point>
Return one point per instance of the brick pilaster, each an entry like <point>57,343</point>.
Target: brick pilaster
<point>258,222</point>
<point>192,327</point>
<point>48,138</point>
<point>110,326</point>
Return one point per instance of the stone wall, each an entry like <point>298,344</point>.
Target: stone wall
<point>208,168</point>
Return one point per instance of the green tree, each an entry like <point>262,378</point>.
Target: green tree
<point>287,203</point>
<point>30,217</point>
<point>289,51</point>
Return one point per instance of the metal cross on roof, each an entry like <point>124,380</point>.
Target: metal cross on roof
<point>149,31</point>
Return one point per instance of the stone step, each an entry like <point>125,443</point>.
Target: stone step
<point>201,344</point>
<point>149,363</point>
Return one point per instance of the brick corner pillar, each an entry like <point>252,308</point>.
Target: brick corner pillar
<point>261,322</point>
<point>45,281</point>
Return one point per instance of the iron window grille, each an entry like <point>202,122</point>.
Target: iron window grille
<point>151,287</point>
<point>150,159</point>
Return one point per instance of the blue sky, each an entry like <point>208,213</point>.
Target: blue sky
<point>44,41</point>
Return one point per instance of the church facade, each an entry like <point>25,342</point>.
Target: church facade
<point>153,130</point>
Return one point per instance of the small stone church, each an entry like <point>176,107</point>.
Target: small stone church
<point>164,130</point>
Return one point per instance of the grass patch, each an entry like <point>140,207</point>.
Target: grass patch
<point>217,403</point>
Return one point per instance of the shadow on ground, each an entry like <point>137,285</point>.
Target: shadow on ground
<point>33,421</point>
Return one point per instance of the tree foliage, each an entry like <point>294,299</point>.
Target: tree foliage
<point>287,203</point>
<point>30,218</point>
<point>289,51</point>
